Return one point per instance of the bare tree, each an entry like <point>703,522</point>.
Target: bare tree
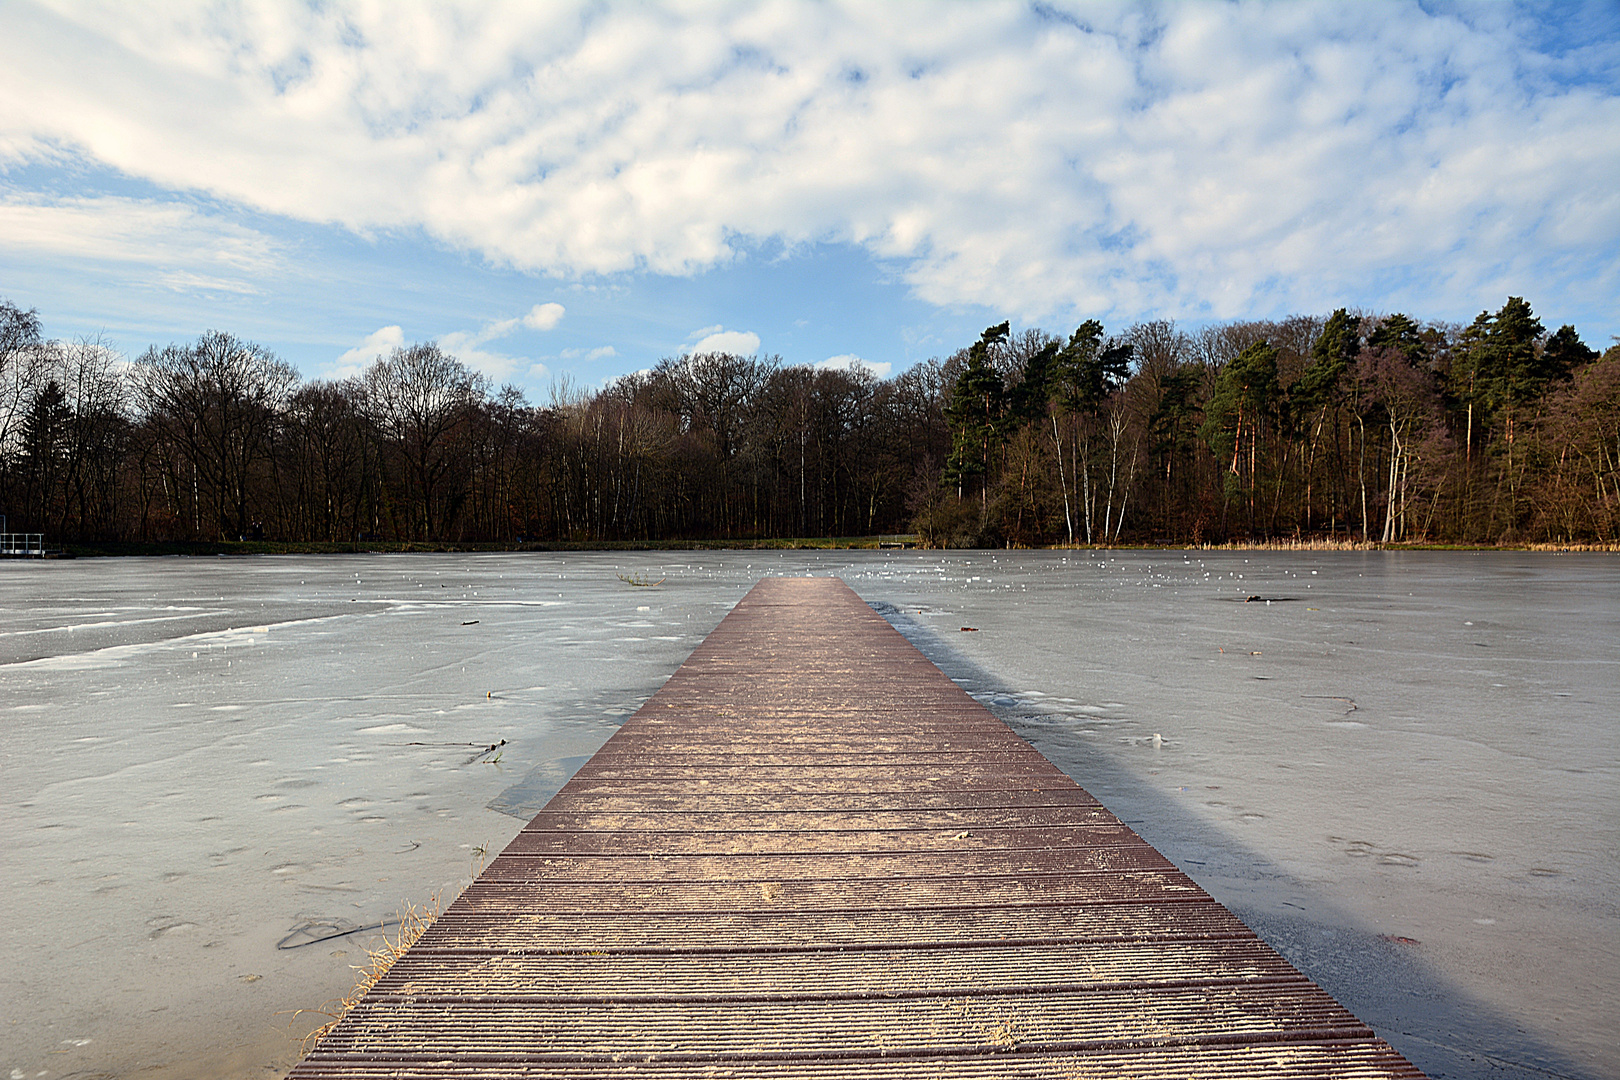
<point>420,400</point>
<point>96,395</point>
<point>713,394</point>
<point>326,452</point>
<point>21,364</point>
<point>217,402</point>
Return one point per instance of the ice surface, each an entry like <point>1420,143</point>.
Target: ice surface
<point>205,758</point>
<point>1403,769</point>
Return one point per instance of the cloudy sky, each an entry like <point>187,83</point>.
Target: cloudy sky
<point>571,192</point>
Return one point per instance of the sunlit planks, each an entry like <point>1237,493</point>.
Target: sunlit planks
<point>811,854</point>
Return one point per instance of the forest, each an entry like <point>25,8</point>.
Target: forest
<point>1350,427</point>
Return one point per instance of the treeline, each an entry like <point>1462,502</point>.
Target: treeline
<point>1358,427</point>
<point>1352,426</point>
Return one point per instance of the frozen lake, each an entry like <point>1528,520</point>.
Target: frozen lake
<point>1403,769</point>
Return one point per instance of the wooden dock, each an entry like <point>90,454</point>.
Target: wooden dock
<point>812,854</point>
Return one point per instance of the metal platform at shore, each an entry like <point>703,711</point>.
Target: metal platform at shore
<point>22,545</point>
<point>811,854</point>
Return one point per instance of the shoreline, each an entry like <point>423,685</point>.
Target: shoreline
<point>206,548</point>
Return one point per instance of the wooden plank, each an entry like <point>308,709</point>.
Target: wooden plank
<point>811,854</point>
<point>685,836</point>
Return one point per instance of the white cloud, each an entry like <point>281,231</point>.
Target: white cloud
<point>601,352</point>
<point>186,282</point>
<point>460,341</point>
<point>851,362</point>
<point>188,249</point>
<point>544,316</point>
<point>377,343</point>
<point>719,340</point>
<point>498,367</point>
<point>466,345</point>
<point>1192,159</point>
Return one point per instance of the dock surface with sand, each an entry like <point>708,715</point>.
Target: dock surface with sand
<point>812,854</point>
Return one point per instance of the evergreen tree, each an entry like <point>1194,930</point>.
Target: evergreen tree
<point>1246,397</point>
<point>1565,353</point>
<point>1028,401</point>
<point>1401,334</point>
<point>975,413</point>
<point>1465,380</point>
<point>45,440</point>
<point>1336,348</point>
<point>1089,368</point>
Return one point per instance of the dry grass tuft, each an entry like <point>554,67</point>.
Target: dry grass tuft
<point>413,923</point>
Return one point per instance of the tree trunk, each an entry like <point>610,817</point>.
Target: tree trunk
<point>1361,474</point>
<point>1063,482</point>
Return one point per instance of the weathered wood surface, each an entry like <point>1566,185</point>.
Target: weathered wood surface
<point>812,854</point>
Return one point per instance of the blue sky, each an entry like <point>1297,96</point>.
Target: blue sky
<point>572,192</point>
